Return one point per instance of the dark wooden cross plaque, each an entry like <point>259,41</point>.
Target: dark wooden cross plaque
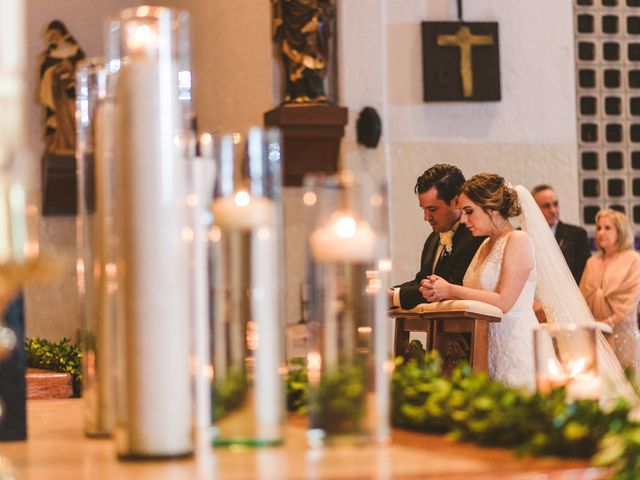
<point>461,61</point>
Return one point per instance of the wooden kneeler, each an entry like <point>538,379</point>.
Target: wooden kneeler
<point>444,322</point>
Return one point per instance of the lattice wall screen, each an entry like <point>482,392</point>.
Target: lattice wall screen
<point>607,34</point>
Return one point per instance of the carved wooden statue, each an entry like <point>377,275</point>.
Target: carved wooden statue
<point>57,89</point>
<point>303,31</point>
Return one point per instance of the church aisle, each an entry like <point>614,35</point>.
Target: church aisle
<point>57,449</point>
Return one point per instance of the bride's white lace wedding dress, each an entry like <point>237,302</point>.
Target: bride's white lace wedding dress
<point>511,340</point>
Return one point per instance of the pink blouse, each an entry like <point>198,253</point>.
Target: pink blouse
<point>612,293</point>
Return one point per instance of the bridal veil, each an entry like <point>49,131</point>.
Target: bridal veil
<point>562,301</point>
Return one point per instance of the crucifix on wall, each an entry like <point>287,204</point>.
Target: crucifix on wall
<point>461,61</point>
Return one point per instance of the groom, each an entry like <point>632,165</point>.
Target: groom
<point>450,247</point>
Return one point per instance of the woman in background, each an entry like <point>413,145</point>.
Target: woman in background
<point>611,285</point>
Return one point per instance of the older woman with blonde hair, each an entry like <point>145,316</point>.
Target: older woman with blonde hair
<point>611,285</point>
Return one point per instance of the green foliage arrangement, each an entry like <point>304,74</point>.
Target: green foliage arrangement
<point>475,408</point>
<point>297,383</point>
<point>621,452</point>
<point>472,407</point>
<point>229,393</point>
<point>58,357</point>
<point>337,404</point>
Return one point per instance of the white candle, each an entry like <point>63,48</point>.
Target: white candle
<point>18,206</point>
<point>152,212</point>
<point>242,211</point>
<point>546,383</point>
<point>265,313</point>
<point>343,239</point>
<point>13,231</point>
<point>584,383</point>
<point>584,386</point>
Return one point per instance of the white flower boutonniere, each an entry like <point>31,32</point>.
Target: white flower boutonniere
<point>446,240</point>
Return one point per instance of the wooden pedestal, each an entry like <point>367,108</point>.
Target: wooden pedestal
<point>456,334</point>
<point>311,138</point>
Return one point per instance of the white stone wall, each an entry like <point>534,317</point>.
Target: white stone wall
<point>529,136</point>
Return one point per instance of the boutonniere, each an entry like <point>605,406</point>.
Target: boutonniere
<point>446,240</point>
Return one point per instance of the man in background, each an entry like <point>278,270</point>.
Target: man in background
<point>572,239</point>
<point>449,249</point>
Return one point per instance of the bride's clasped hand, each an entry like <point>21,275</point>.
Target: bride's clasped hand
<point>435,289</point>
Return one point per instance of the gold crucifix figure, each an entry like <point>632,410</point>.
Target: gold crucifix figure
<point>465,41</point>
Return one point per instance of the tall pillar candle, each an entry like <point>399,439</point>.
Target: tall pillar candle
<point>152,215</point>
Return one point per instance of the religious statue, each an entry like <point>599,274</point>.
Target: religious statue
<point>57,89</point>
<point>302,29</point>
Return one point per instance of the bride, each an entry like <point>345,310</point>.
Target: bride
<point>504,274</point>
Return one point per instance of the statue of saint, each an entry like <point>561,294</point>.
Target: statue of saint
<point>57,89</point>
<point>302,29</point>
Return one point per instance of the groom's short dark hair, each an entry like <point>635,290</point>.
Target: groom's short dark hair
<point>446,179</point>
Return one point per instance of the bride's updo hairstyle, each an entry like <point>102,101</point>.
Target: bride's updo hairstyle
<point>491,192</point>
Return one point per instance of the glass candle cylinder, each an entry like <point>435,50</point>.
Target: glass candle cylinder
<point>247,332</point>
<point>348,356</point>
<point>156,416</point>
<point>565,356</point>
<point>201,175</point>
<point>96,263</point>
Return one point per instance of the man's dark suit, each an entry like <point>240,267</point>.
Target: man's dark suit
<point>575,247</point>
<point>452,267</point>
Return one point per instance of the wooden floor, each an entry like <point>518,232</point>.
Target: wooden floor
<point>57,449</point>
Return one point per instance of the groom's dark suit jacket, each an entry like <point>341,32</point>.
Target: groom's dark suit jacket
<point>452,267</point>
<point>575,247</point>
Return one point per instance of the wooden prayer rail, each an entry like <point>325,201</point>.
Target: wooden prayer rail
<point>457,329</point>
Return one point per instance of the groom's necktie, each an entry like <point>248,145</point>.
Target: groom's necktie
<point>444,246</point>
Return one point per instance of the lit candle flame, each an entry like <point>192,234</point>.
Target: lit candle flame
<point>141,38</point>
<point>242,198</point>
<point>577,367</point>
<point>345,226</point>
<point>555,369</point>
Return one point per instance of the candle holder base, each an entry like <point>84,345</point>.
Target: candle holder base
<point>141,457</point>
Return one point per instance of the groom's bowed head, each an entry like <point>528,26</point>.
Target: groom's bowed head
<point>450,247</point>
